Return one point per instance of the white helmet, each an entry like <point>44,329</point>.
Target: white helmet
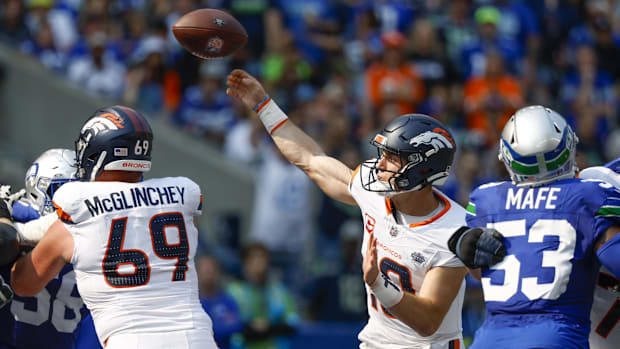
<point>47,173</point>
<point>538,147</point>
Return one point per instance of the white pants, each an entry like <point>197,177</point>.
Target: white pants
<point>188,339</point>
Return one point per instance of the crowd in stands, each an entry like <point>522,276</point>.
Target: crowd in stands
<point>341,69</point>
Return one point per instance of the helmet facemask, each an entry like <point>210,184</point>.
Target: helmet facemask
<point>48,172</point>
<point>413,174</point>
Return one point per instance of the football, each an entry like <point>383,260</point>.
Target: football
<point>209,33</point>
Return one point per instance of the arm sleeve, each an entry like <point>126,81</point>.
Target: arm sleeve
<point>608,255</point>
<point>607,213</point>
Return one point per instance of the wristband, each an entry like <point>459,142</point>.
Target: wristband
<point>261,104</point>
<point>270,114</point>
<point>386,291</point>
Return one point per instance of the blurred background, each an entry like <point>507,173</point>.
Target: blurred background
<point>279,262</point>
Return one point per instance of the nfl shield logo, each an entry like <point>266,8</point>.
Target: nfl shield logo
<point>214,45</point>
<point>219,22</point>
<point>393,231</point>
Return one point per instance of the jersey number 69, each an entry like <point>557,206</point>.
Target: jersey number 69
<point>116,256</point>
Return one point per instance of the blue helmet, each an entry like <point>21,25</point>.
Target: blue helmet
<point>114,138</point>
<point>426,149</point>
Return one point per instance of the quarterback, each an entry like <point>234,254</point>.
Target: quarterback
<point>131,242</point>
<point>415,285</point>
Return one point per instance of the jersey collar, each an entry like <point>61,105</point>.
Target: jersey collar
<point>446,202</point>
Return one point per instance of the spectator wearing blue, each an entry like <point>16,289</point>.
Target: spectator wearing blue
<point>149,81</point>
<point>314,25</point>
<point>97,71</point>
<point>42,47</point>
<point>520,25</point>
<point>488,39</point>
<point>589,100</point>
<point>205,109</point>
<point>221,306</point>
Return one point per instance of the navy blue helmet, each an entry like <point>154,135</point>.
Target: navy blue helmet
<point>113,138</point>
<point>425,148</point>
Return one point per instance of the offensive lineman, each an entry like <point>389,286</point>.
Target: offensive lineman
<point>414,283</point>
<point>131,242</point>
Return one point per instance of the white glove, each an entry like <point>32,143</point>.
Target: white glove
<point>5,194</point>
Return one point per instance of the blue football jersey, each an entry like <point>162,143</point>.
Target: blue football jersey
<point>52,318</point>
<point>550,267</point>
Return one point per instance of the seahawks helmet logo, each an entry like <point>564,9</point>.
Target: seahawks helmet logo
<point>437,138</point>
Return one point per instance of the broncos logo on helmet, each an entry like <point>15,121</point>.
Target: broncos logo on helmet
<point>434,138</point>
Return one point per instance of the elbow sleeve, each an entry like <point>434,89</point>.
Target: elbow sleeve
<point>608,255</point>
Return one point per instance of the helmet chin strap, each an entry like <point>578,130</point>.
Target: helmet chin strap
<point>97,166</point>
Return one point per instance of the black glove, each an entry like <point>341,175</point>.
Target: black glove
<point>6,293</point>
<point>477,247</point>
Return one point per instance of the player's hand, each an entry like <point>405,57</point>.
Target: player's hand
<point>369,266</point>
<point>10,198</point>
<point>245,87</point>
<point>6,293</point>
<point>477,247</point>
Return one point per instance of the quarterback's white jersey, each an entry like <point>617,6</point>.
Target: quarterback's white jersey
<point>406,252</point>
<point>605,333</point>
<point>134,254</point>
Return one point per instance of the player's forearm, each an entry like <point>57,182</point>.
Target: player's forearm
<point>296,146</point>
<point>24,277</point>
<point>32,232</point>
<point>419,313</point>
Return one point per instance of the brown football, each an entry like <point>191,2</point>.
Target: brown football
<point>209,33</point>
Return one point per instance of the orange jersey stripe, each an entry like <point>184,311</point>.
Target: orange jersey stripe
<point>65,217</point>
<point>437,216</point>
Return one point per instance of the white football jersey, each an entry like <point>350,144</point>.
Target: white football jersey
<point>605,332</point>
<point>406,253</point>
<point>134,254</point>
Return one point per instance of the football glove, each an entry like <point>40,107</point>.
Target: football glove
<point>477,247</point>
<point>10,199</point>
<point>6,293</point>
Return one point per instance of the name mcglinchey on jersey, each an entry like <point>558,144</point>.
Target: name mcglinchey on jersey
<point>135,197</point>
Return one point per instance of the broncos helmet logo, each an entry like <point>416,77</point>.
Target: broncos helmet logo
<point>437,138</point>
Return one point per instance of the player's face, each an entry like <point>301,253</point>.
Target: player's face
<point>388,162</point>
